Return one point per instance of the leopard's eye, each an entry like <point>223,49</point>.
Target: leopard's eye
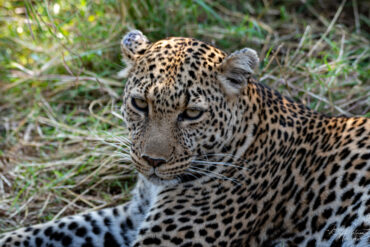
<point>190,114</point>
<point>140,104</point>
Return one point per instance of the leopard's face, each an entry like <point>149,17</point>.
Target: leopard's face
<point>175,106</point>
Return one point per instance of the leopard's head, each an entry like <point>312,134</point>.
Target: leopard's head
<point>181,102</point>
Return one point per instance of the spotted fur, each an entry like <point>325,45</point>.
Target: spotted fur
<point>224,161</point>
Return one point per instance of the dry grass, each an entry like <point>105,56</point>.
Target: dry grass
<point>62,142</point>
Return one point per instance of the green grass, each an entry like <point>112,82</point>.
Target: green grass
<point>60,93</point>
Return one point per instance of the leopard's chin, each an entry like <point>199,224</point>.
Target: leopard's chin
<point>157,180</point>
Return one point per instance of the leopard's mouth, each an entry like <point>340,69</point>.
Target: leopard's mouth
<point>164,177</point>
<point>167,171</point>
<point>157,180</point>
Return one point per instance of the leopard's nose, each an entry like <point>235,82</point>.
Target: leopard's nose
<point>154,162</point>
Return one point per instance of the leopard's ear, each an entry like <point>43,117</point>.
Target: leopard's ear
<point>235,70</point>
<point>133,45</point>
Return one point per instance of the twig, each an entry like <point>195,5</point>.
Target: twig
<point>29,24</point>
<point>318,43</point>
<point>357,18</point>
<point>306,31</point>
<point>272,58</point>
<point>45,205</point>
<point>314,12</point>
<point>319,98</point>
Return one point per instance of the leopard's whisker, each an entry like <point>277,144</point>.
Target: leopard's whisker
<point>113,145</point>
<point>204,173</point>
<point>223,155</point>
<point>219,154</point>
<point>189,174</point>
<point>118,138</point>
<point>124,154</point>
<point>212,175</point>
<point>217,175</point>
<point>123,160</point>
<point>202,162</point>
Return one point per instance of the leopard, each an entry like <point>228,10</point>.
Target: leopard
<point>223,160</point>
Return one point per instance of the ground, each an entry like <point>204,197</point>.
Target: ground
<point>60,90</point>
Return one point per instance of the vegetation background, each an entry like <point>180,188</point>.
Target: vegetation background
<point>62,142</point>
